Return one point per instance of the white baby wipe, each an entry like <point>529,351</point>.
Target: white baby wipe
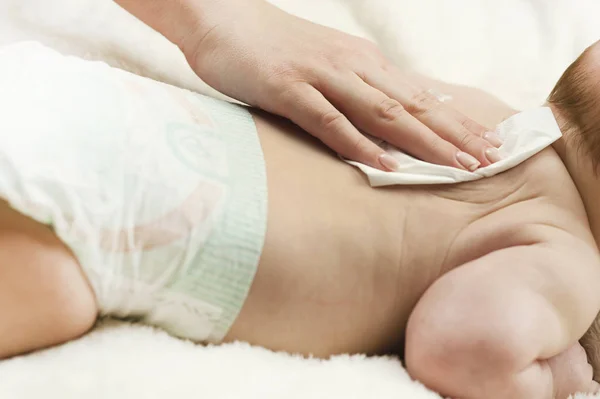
<point>524,135</point>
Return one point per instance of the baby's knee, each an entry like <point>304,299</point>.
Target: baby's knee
<point>53,304</point>
<point>44,297</point>
<point>70,302</point>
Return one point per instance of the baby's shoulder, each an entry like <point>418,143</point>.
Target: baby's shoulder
<point>542,205</point>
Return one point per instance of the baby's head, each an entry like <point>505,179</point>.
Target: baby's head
<point>575,101</point>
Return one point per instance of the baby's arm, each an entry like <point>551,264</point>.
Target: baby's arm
<point>488,328</point>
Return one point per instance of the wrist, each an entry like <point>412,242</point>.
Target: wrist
<point>195,19</point>
<point>177,20</point>
<point>210,22</point>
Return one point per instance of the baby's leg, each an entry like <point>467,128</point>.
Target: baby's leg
<point>44,298</point>
<point>493,328</point>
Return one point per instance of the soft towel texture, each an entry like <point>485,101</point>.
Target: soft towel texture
<point>524,135</point>
<point>515,49</point>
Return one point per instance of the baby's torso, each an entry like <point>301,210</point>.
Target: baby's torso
<point>347,263</point>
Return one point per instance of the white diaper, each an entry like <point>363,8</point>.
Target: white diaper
<point>524,135</point>
<point>159,192</point>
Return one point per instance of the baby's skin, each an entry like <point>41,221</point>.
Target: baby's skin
<point>485,288</point>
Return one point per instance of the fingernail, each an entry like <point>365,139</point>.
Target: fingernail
<point>493,155</point>
<point>493,139</point>
<point>467,161</point>
<point>388,162</point>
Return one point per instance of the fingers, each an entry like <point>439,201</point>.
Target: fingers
<point>453,127</point>
<point>449,124</point>
<point>377,114</point>
<point>594,387</point>
<point>388,107</point>
<point>308,108</point>
<point>571,372</point>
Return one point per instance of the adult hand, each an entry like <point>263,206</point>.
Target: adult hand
<point>332,85</point>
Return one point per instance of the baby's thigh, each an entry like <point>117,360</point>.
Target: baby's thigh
<point>44,297</point>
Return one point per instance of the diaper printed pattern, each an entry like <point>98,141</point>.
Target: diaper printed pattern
<point>148,184</point>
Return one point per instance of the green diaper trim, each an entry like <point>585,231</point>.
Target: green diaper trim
<point>223,271</point>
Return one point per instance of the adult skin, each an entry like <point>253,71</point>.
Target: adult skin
<point>331,84</point>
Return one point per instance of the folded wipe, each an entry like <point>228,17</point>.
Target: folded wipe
<point>524,135</point>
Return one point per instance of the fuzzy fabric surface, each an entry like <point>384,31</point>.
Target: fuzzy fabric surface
<point>515,49</point>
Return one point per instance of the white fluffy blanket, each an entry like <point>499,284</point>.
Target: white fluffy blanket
<point>515,49</point>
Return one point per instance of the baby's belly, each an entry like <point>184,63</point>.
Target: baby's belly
<point>337,273</point>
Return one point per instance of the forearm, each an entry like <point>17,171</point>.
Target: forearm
<point>177,20</point>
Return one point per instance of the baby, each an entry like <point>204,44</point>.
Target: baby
<point>485,287</point>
